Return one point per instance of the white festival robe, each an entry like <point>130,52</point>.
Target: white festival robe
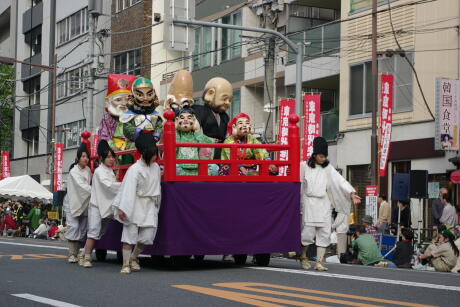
<point>321,190</point>
<point>139,196</point>
<point>78,190</point>
<point>104,188</point>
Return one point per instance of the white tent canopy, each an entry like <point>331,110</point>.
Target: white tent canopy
<point>24,188</point>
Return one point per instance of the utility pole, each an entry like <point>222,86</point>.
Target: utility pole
<point>53,122</point>
<point>374,149</point>
<point>269,88</point>
<point>90,90</point>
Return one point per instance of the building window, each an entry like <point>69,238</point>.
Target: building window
<point>360,5</point>
<point>73,26</point>
<point>69,134</point>
<point>31,137</point>
<point>231,40</point>
<point>361,89</point>
<point>124,4</point>
<point>403,80</point>
<point>34,39</point>
<point>235,107</point>
<point>32,88</point>
<point>203,48</point>
<point>361,84</point>
<point>128,63</point>
<point>71,82</point>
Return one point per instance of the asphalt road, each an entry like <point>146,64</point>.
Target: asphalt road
<point>34,271</point>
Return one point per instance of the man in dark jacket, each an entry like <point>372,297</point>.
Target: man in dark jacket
<point>213,120</point>
<point>405,220</point>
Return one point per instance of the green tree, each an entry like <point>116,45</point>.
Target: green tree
<point>6,106</point>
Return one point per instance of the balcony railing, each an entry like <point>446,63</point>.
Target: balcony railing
<point>323,39</point>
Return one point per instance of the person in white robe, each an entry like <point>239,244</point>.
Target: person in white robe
<point>104,188</point>
<point>76,204</point>
<point>138,202</point>
<point>322,188</point>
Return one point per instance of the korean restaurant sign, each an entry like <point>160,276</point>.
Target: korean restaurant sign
<point>447,119</point>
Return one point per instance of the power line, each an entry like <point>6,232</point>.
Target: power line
<point>409,62</point>
<point>134,30</point>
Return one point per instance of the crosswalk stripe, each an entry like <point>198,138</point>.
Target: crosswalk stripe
<point>361,278</point>
<point>44,300</point>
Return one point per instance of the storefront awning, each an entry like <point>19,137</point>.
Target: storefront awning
<point>455,176</point>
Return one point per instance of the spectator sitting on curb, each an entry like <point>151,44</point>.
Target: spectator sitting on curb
<point>371,230</point>
<point>444,256</point>
<point>9,224</point>
<point>52,232</point>
<point>41,232</point>
<point>456,269</point>
<point>365,247</point>
<point>403,252</point>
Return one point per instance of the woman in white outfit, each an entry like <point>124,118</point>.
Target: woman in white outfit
<point>76,203</point>
<point>138,202</point>
<point>322,188</point>
<point>104,188</point>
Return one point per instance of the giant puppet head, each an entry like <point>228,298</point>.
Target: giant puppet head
<point>180,94</point>
<point>118,90</point>
<point>143,97</point>
<point>186,120</point>
<point>240,126</point>
<point>218,94</point>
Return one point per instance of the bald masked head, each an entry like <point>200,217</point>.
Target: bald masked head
<point>180,94</point>
<point>218,94</point>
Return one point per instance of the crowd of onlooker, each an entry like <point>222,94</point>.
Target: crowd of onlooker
<point>20,219</point>
<point>440,252</point>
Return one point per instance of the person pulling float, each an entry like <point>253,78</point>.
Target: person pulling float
<point>137,203</point>
<point>322,188</point>
<point>76,203</point>
<point>104,188</point>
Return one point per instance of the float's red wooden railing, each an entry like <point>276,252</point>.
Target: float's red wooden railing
<point>170,161</point>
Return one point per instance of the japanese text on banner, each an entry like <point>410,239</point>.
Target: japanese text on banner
<point>312,120</point>
<point>58,164</point>
<point>5,165</point>
<point>371,202</point>
<point>386,121</point>
<point>287,107</point>
<point>447,121</point>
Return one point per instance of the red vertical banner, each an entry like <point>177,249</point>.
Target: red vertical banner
<point>94,145</point>
<point>6,172</point>
<point>58,162</point>
<point>312,121</point>
<point>386,121</point>
<point>287,107</point>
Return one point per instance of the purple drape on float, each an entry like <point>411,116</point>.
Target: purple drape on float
<point>215,218</point>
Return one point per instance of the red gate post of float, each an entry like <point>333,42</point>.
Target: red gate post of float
<point>294,147</point>
<point>169,148</point>
<point>86,135</point>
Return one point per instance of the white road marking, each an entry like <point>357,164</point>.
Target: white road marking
<point>361,278</point>
<point>44,300</point>
<point>35,245</point>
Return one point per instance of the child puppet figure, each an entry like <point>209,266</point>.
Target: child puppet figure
<point>187,127</point>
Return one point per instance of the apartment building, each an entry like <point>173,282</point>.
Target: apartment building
<point>428,33</point>
<point>45,28</point>
<point>239,56</point>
